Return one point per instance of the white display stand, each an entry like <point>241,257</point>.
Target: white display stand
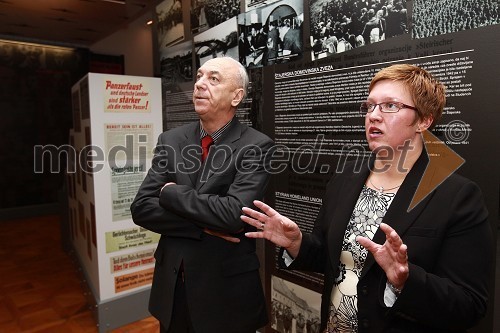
<point>117,120</point>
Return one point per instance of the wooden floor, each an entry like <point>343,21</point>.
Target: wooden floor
<point>40,287</point>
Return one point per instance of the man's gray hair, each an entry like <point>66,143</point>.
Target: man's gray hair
<point>242,76</point>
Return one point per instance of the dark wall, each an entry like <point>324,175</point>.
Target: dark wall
<point>35,102</point>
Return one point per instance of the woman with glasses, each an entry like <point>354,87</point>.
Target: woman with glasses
<point>389,268</point>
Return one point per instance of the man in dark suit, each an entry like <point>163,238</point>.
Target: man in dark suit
<point>292,41</point>
<point>273,44</point>
<point>206,275</point>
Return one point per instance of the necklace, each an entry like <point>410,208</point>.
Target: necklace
<point>381,189</point>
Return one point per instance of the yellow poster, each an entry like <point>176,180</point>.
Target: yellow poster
<point>129,238</point>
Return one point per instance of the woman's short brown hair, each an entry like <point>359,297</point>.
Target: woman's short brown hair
<point>427,93</point>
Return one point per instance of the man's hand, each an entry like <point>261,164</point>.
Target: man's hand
<point>222,235</point>
<point>167,184</point>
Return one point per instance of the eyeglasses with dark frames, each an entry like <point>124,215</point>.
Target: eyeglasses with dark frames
<point>387,107</point>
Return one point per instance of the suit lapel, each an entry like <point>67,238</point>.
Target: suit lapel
<point>192,141</point>
<point>398,216</point>
<point>219,153</point>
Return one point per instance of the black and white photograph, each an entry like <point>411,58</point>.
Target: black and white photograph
<point>252,4</point>
<point>176,66</point>
<point>271,34</point>
<point>431,18</point>
<point>206,14</point>
<point>342,25</point>
<point>169,23</point>
<point>220,41</point>
<point>294,309</point>
<point>198,16</point>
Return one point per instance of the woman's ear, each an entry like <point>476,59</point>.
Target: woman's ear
<point>424,124</point>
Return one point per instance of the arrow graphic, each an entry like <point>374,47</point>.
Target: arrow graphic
<point>443,162</point>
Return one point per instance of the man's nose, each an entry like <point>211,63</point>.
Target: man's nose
<point>200,83</point>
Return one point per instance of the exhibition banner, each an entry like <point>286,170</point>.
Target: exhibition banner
<point>119,120</point>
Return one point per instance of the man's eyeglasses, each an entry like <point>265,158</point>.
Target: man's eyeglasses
<point>387,107</point>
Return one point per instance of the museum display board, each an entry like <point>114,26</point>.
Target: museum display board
<point>117,120</point>
<point>310,63</point>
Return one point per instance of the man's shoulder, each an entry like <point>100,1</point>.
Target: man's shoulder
<point>180,131</point>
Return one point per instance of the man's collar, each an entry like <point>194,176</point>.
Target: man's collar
<point>216,135</point>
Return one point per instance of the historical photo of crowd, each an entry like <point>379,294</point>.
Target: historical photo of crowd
<point>207,14</point>
<point>216,42</point>
<point>169,22</point>
<point>252,4</point>
<point>272,34</point>
<point>342,25</point>
<point>431,18</point>
<point>294,309</point>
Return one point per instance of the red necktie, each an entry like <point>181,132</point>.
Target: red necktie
<point>206,142</point>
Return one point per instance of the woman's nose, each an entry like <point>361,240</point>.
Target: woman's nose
<point>376,114</point>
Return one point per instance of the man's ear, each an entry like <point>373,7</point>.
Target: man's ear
<point>238,96</point>
<point>424,124</point>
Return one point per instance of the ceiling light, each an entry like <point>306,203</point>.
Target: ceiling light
<point>67,48</point>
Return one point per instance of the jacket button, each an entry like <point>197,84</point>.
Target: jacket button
<point>364,290</point>
<point>175,270</point>
<point>365,323</point>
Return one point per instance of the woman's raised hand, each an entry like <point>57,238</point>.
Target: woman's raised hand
<point>273,226</point>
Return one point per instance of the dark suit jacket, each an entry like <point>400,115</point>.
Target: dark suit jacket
<point>450,254</point>
<point>222,281</point>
